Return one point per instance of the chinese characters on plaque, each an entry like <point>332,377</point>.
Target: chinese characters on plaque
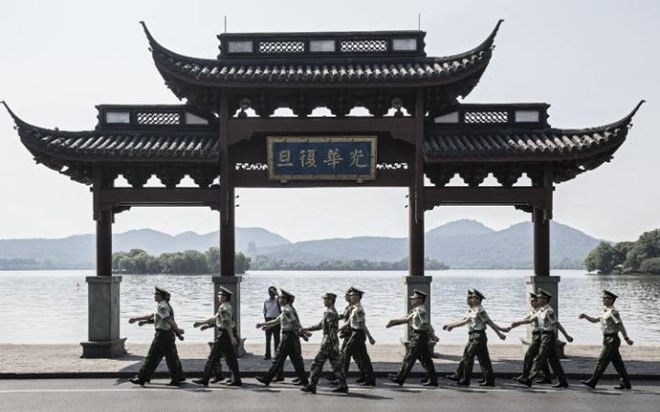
<point>322,158</point>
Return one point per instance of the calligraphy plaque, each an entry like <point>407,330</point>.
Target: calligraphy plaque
<point>322,158</point>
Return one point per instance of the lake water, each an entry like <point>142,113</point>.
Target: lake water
<point>51,306</point>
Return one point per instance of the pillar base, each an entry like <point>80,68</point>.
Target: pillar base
<point>111,349</point>
<point>103,338</point>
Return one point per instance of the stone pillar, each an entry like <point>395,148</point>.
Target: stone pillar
<point>422,283</point>
<point>233,283</point>
<point>103,318</point>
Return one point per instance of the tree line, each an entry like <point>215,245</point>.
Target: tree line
<point>189,262</point>
<point>641,256</point>
<point>268,263</point>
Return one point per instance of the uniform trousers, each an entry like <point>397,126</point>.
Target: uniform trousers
<point>610,353</point>
<point>327,352</point>
<point>547,353</point>
<point>289,347</point>
<point>477,346</point>
<point>418,348</point>
<point>222,347</point>
<point>162,345</point>
<point>356,348</point>
<point>532,351</point>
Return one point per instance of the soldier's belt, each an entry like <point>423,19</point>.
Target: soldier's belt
<point>477,331</point>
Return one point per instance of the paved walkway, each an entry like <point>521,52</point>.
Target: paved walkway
<point>58,361</point>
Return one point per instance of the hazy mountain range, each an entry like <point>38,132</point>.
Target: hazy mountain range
<point>459,244</point>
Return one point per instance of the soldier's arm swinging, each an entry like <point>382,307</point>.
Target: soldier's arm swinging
<point>448,327</point>
<point>563,332</point>
<point>589,318</point>
<point>142,319</point>
<point>625,334</point>
<point>204,324</point>
<point>269,324</point>
<point>399,321</point>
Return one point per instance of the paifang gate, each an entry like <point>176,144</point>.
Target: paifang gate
<point>416,131</point>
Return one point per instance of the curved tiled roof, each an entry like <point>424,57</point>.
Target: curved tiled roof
<point>442,145</point>
<point>120,146</point>
<point>339,71</point>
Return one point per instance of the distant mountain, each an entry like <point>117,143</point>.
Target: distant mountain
<point>78,252</point>
<point>461,244</point>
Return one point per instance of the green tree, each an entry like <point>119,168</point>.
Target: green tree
<point>646,247</point>
<point>601,259</point>
<point>651,265</point>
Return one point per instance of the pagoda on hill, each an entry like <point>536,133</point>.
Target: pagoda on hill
<point>227,135</point>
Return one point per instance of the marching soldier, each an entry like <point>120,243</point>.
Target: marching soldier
<point>477,319</point>
<point>548,325</point>
<point>611,325</point>
<point>225,342</point>
<point>535,344</point>
<point>290,342</point>
<point>163,343</point>
<point>418,347</point>
<point>329,349</point>
<point>355,345</point>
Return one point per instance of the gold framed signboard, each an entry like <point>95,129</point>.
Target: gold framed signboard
<point>322,158</point>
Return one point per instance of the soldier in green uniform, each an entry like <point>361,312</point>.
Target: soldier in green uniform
<point>290,342</point>
<point>163,343</point>
<point>477,319</point>
<point>225,342</point>
<point>548,325</point>
<point>355,345</point>
<point>419,345</point>
<point>533,348</point>
<point>329,349</point>
<point>611,325</point>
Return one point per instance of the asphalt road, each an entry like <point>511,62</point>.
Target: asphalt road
<point>101,395</point>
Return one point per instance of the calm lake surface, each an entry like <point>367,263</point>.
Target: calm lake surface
<point>51,306</point>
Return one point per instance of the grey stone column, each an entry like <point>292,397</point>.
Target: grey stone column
<point>103,318</point>
<point>422,283</point>
<point>233,283</point>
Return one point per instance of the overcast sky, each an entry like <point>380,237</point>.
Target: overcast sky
<point>591,60</point>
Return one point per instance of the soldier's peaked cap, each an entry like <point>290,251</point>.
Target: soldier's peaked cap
<point>418,294</point>
<point>356,291</point>
<point>349,290</point>
<point>162,291</point>
<point>330,296</point>
<point>285,294</point>
<point>543,294</point>
<point>224,291</point>
<point>533,295</point>
<point>608,294</point>
<point>474,292</point>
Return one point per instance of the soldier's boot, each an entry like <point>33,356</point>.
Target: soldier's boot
<point>560,385</point>
<point>309,388</point>
<point>452,376</point>
<point>430,382</point>
<point>201,381</point>
<point>341,389</point>
<point>136,381</point>
<point>589,383</point>
<point>263,379</point>
<point>395,378</point>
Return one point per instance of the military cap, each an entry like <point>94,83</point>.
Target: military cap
<point>162,291</point>
<point>418,294</point>
<point>330,296</point>
<point>533,295</point>
<point>474,292</point>
<point>349,290</point>
<point>285,294</point>
<point>543,294</point>
<point>224,291</point>
<point>356,291</point>
<point>608,294</point>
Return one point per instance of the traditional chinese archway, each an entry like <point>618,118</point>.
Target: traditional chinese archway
<point>416,129</point>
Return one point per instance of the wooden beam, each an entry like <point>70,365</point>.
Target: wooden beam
<point>532,196</point>
<point>399,127</point>
<point>159,197</point>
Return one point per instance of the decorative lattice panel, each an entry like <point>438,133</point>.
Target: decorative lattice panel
<point>486,117</point>
<point>363,46</point>
<point>281,47</point>
<point>158,118</point>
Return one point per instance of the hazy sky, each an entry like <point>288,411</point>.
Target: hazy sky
<point>591,60</point>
